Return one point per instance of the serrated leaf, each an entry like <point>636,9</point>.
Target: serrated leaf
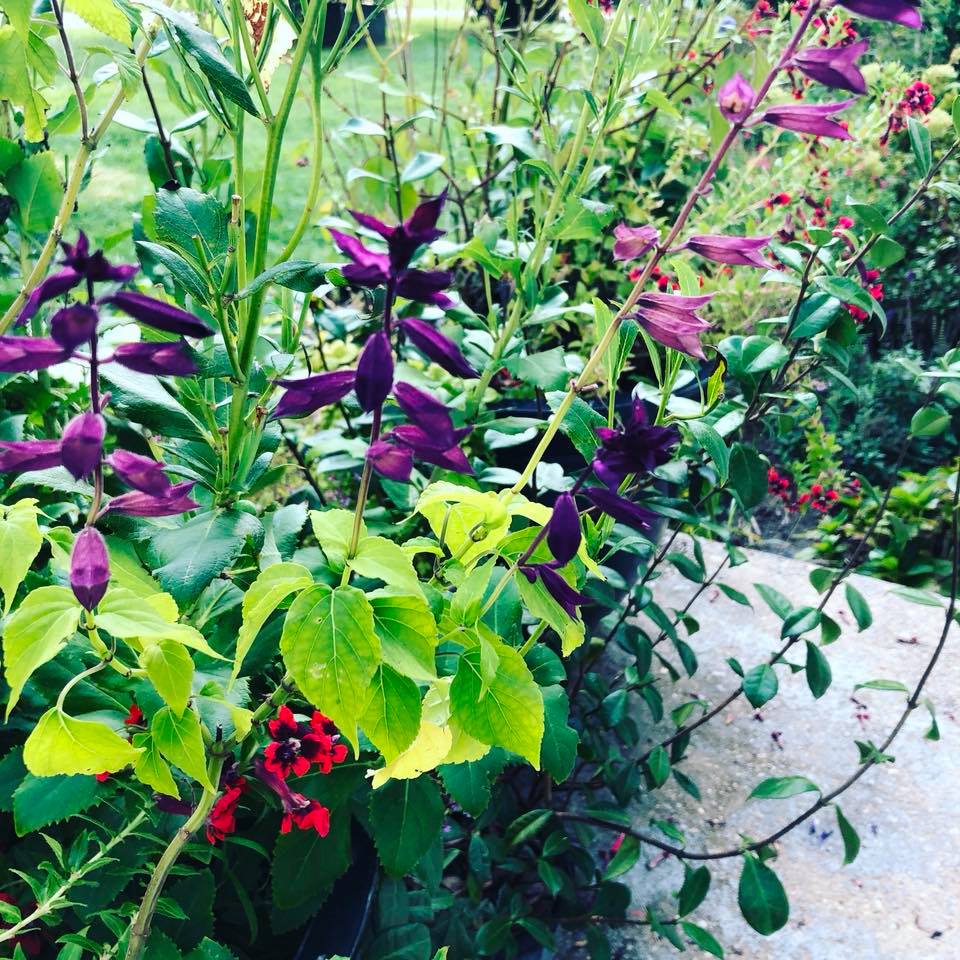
<point>41,801</point>
<point>405,819</point>
<point>170,669</point>
<point>381,559</point>
<point>408,634</point>
<point>61,744</point>
<point>105,16</point>
<point>20,542</point>
<point>391,719</point>
<point>179,740</point>
<point>152,769</point>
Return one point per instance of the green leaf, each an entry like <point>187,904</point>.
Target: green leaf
<point>152,769</point>
<point>775,600</point>
<point>60,744</point>
<point>381,559</point>
<point>858,607</point>
<point>305,868</point>
<point>36,632</point>
<point>16,86</point>
<point>405,819</point>
<point>778,788</point>
<point>421,166</point>
<point>543,606</point>
<point>20,542</point>
<point>819,675</point>
<point>748,475</point>
<point>301,275</point>
<point>507,712</point>
<point>712,444</point>
<point>889,686</point>
<point>180,215</point>
<point>41,801</point>
<point>362,127</point>
<point>816,314</point>
<point>703,939</point>
<point>929,421</point>
<point>829,630</point>
<point>105,16</point>
<point>696,886</point>
<point>920,145</point>
<point>800,621</point>
<point>408,634</point>
<point>624,860</point>
<point>559,747</point>
<point>179,269</point>
<point>760,684</point>
<point>170,669</point>
<point>579,424</point>
<point>35,185</point>
<point>180,741</point>
<point>391,719</point>
<point>658,766</point>
<point>469,783</point>
<point>546,370</point>
<point>333,530</point>
<point>582,219</point>
<point>330,647</point>
<point>735,595</point>
<point>589,20</point>
<point>886,252</point>
<point>263,596</point>
<point>851,839</point>
<point>761,896</point>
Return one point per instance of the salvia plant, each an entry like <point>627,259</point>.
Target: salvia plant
<point>329,543</point>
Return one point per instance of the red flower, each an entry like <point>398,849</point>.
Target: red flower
<point>223,817</point>
<point>103,777</point>
<point>308,814</point>
<point>297,746</point>
<point>134,717</point>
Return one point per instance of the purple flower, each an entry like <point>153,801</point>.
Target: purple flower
<point>141,473</point>
<point>157,359</point>
<point>735,251</point>
<point>390,461</point>
<point>82,443</point>
<point>54,286</point>
<point>19,354</point>
<point>418,229</point>
<point>437,347</point>
<point>558,588</point>
<point>374,372</point>
<point>735,98</point>
<point>158,314</point>
<point>74,325</point>
<point>834,66</point>
<point>563,530</point>
<point>620,508</point>
<point>311,393</point>
<point>672,320</point>
<point>633,242</point>
<point>89,567</point>
<point>24,455</point>
<point>137,504</point>
<point>903,12</point>
<point>94,266</point>
<point>167,804</point>
<point>637,447</point>
<point>808,118</point>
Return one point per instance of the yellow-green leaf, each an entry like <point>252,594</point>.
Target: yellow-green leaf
<point>333,530</point>
<point>20,542</point>
<point>382,559</point>
<point>63,744</point>
<point>152,769</point>
<point>105,16</point>
<point>180,741</point>
<point>170,669</point>
<point>408,634</point>
<point>391,720</point>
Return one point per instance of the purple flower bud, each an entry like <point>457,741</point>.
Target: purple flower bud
<point>735,251</point>
<point>74,325</point>
<point>671,319</point>
<point>563,530</point>
<point>374,372</point>
<point>136,504</point>
<point>903,12</point>
<point>55,285</point>
<point>558,588</point>
<point>82,443</point>
<point>735,98</point>
<point>141,473</point>
<point>21,456</point>
<point>19,354</point>
<point>620,508</point>
<point>89,567</point>
<point>811,118</point>
<point>311,393</point>
<point>633,242</point>
<point>158,314</point>
<point>368,269</point>
<point>834,66</point>
<point>392,462</point>
<point>425,286</point>
<point>157,359</point>
<point>438,348</point>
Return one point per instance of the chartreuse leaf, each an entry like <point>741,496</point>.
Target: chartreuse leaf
<point>179,740</point>
<point>264,595</point>
<point>105,16</point>
<point>329,645</point>
<point>761,896</point>
<point>40,801</point>
<point>505,712</point>
<point>408,634</point>
<point>333,530</point>
<point>63,744</point>
<point>151,768</point>
<point>170,669</point>
<point>36,632</point>
<point>464,518</point>
<point>381,559</point>
<point>15,86</point>
<point>405,818</point>
<point>391,719</point>
<point>538,602</point>
<point>20,542</point>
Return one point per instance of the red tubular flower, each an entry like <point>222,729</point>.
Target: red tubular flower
<point>223,817</point>
<point>134,717</point>
<point>297,746</point>
<point>313,816</point>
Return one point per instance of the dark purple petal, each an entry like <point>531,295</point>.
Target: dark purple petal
<point>423,221</point>
<point>157,359</point>
<point>94,267</point>
<point>370,276</point>
<point>89,567</point>
<point>374,372</point>
<point>811,118</point>
<point>904,12</point>
<point>633,242</point>
<point>425,286</point>
<point>358,253</point>
<point>438,348</point>
<point>55,285</point>
<point>167,804</point>
<point>834,66</point>
<point>724,248</point>
<point>453,459</point>
<point>620,508</point>
<point>637,448</point>
<point>23,455</point>
<point>311,393</point>
<point>136,504</point>
<point>392,462</point>
<point>563,530</point>
<point>74,325</point>
<point>19,354</point>
<point>372,223</point>
<point>141,473</point>
<point>736,97</point>
<point>426,412</point>
<point>158,314</point>
<point>82,443</point>
<point>558,588</point>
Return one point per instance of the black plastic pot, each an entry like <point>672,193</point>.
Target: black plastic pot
<point>334,22</point>
<point>517,11</point>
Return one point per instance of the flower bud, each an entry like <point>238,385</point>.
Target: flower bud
<point>24,455</point>
<point>563,531</point>
<point>374,372</point>
<point>437,347</point>
<point>20,354</point>
<point>82,443</point>
<point>156,359</point>
<point>74,325</point>
<point>141,473</point>
<point>735,98</point>
<point>158,314</point>
<point>89,567</point>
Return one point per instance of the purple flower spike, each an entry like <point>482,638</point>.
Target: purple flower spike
<point>563,531</point>
<point>94,266</point>
<point>136,504</point>
<point>158,314</point>
<point>82,443</point>
<point>811,118</point>
<point>392,462</point>
<point>633,242</point>
<point>311,393</point>
<point>620,508</point>
<point>438,348</point>
<point>636,448</point>
<point>20,354</point>
<point>141,473</point>
<point>418,229</point>
<point>89,567</point>
<point>558,588</point>
<point>735,98</point>
<point>672,320</point>
<point>21,456</point>
<point>834,66</point>
<point>374,372</point>
<point>54,286</point>
<point>74,325</point>
<point>903,12</point>
<point>735,251</point>
<point>157,359</point>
